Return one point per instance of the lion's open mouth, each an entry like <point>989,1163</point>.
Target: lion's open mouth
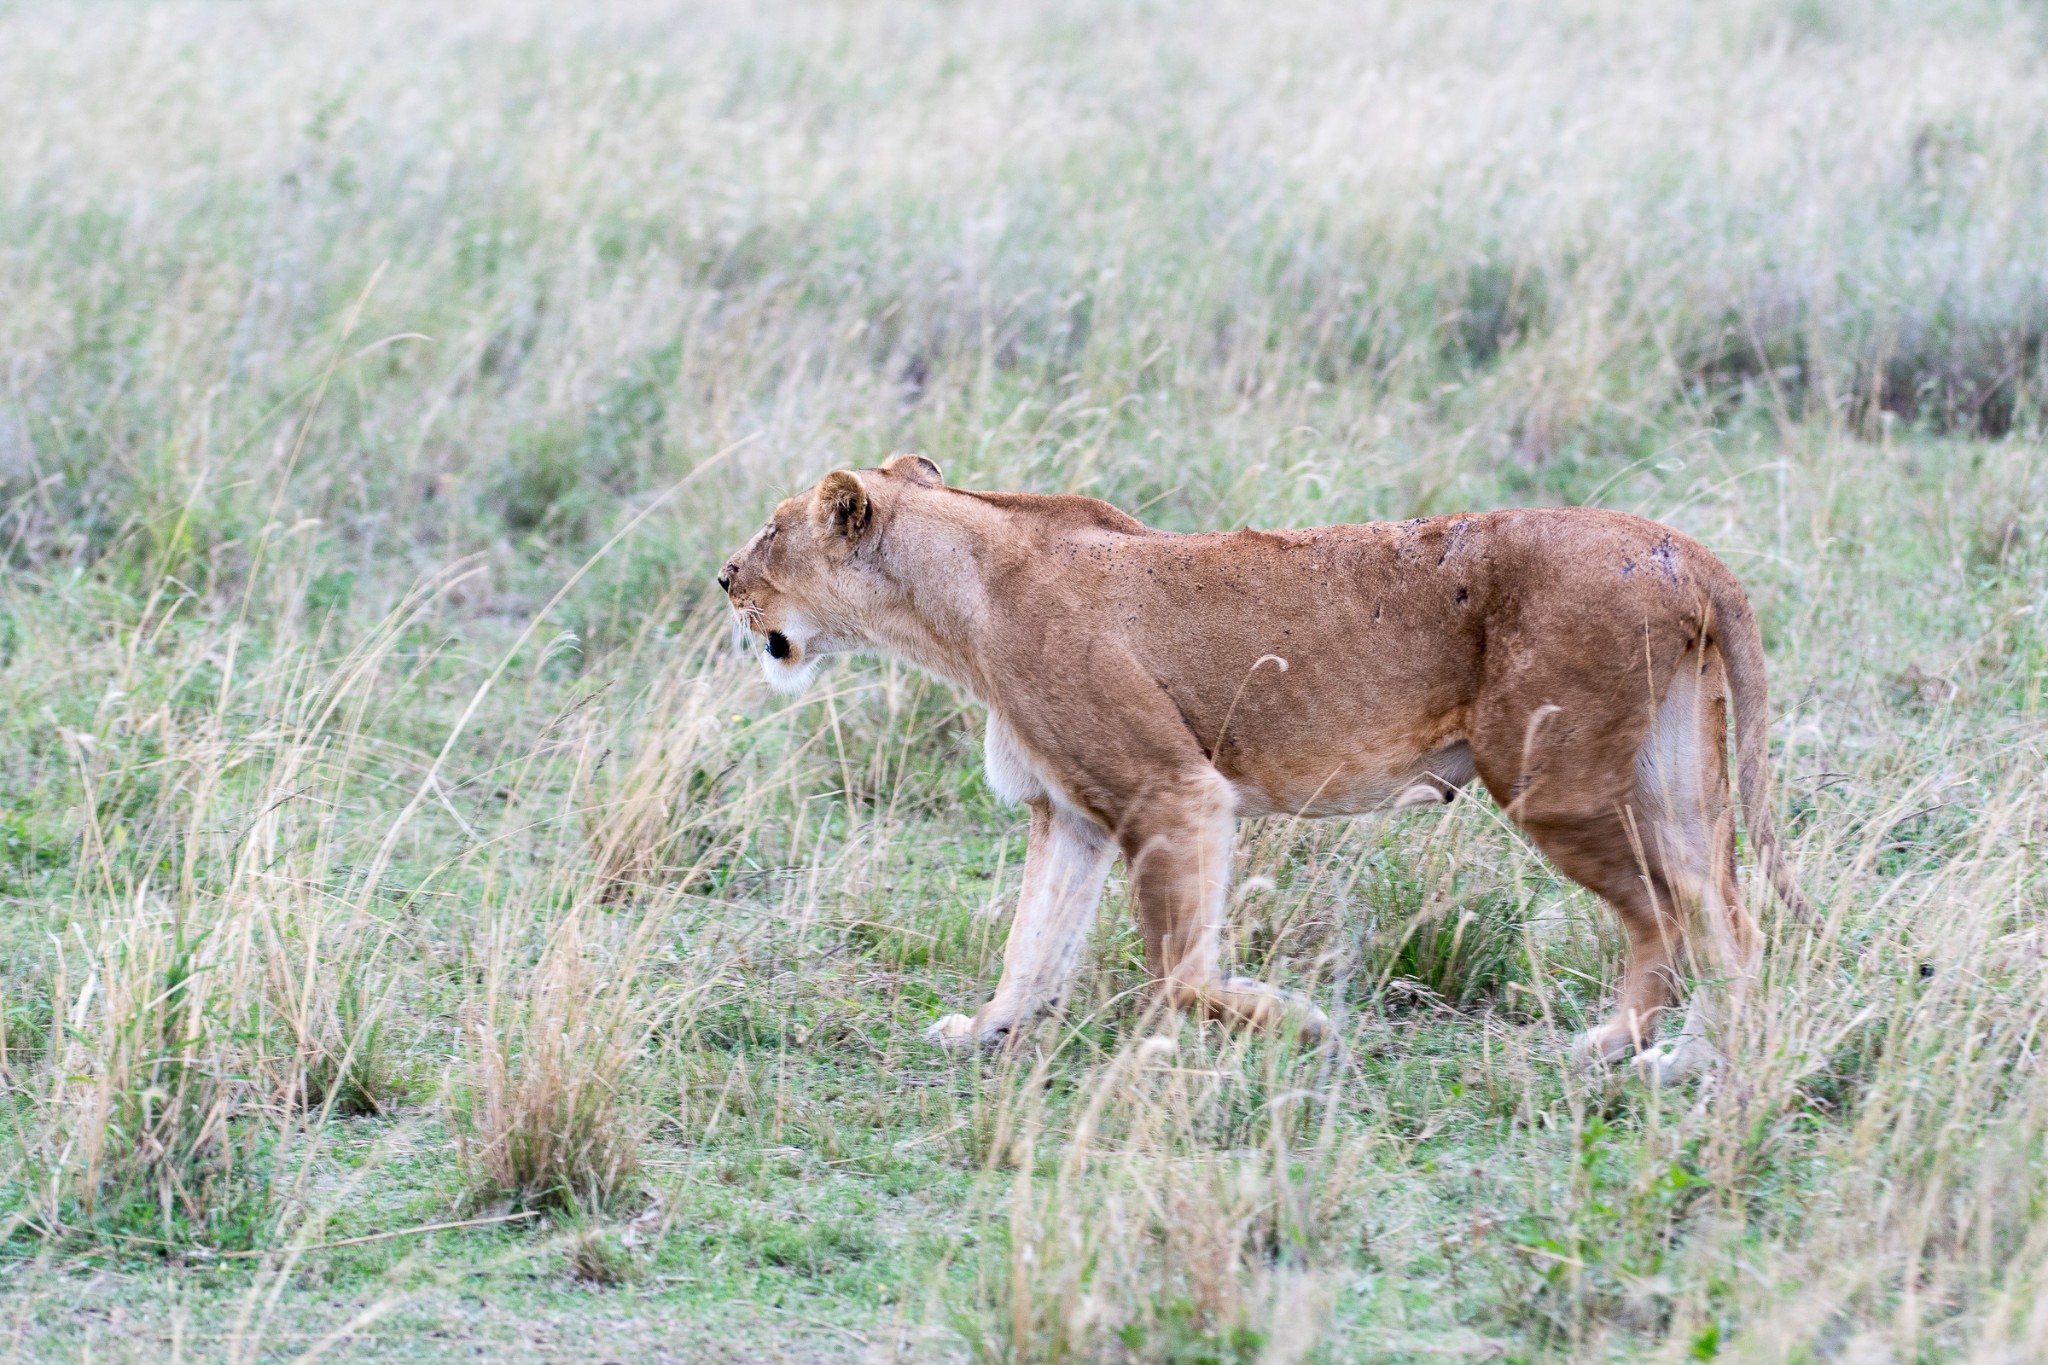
<point>778,645</point>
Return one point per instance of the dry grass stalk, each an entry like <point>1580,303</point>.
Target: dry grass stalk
<point>550,1120</point>
<point>650,815</point>
<point>141,1085</point>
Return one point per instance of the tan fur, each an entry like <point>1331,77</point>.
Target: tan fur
<point>1145,689</point>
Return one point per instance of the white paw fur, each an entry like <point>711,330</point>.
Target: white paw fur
<point>1681,1059</point>
<point>952,1031</point>
<point>1596,1050</point>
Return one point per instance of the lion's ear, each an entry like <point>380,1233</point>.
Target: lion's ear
<point>841,507</point>
<point>916,468</point>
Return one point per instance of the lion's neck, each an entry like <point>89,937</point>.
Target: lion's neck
<point>940,554</point>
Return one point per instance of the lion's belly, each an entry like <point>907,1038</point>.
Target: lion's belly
<point>1337,784</point>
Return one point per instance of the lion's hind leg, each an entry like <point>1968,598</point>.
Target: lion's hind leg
<point>1687,827</point>
<point>1576,800</point>
<point>1599,852</point>
<point>1636,809</point>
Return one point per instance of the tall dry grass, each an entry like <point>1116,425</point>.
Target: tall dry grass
<point>1856,1180</point>
<point>1310,248</point>
<point>1171,1215</point>
<point>358,775</point>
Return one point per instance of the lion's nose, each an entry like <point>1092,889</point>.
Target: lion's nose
<point>725,577</point>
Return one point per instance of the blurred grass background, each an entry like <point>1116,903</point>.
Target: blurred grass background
<point>391,838</point>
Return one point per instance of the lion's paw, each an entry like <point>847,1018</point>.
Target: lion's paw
<point>1681,1059</point>
<point>1597,1049</point>
<point>1312,1026</point>
<point>952,1031</point>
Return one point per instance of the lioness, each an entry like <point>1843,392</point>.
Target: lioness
<point>1145,689</point>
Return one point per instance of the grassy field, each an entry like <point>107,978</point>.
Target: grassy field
<point>392,835</point>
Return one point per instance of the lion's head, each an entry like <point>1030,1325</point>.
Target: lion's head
<point>811,580</point>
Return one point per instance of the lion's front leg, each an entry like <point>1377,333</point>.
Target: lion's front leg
<point>1067,858</point>
<point>1178,846</point>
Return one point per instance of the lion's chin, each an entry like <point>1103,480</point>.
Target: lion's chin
<point>787,675</point>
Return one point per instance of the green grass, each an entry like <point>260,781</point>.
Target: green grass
<point>391,837</point>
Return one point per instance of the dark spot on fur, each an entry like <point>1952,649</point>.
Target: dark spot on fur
<point>1667,558</point>
<point>778,645</point>
<point>1628,568</point>
<point>1462,595</point>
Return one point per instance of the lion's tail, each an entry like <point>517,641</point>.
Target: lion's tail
<point>1742,654</point>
